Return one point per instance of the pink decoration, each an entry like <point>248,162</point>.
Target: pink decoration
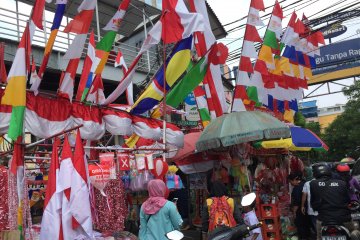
<point>160,168</point>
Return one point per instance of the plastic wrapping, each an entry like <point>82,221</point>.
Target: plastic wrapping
<point>4,199</point>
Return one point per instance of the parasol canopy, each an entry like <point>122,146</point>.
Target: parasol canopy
<point>240,127</point>
<point>189,146</point>
<point>302,139</point>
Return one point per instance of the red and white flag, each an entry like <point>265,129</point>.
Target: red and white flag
<point>17,166</point>
<point>51,220</point>
<point>114,23</point>
<point>214,88</point>
<point>65,174</point>
<point>251,36</point>
<point>88,68</point>
<point>120,61</point>
<point>96,93</point>
<point>3,74</point>
<point>80,25</point>
<point>80,195</point>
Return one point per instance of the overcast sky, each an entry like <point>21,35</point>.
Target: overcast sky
<point>235,9</point>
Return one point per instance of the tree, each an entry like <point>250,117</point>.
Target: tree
<point>343,134</point>
<point>314,127</point>
<point>299,119</point>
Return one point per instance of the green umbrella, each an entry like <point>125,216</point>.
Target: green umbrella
<point>240,127</point>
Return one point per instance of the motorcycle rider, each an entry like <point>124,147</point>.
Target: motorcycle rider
<point>329,197</point>
<point>352,184</point>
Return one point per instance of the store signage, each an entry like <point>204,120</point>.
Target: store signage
<point>191,108</point>
<point>337,61</point>
<point>187,123</point>
<point>337,53</point>
<point>334,31</point>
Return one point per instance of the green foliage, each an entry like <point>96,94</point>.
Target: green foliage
<point>314,127</point>
<point>343,134</point>
<point>299,119</point>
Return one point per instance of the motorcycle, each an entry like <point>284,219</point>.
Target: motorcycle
<point>221,233</point>
<point>333,231</point>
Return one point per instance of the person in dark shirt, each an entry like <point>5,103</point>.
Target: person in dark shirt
<point>329,196</point>
<point>301,220</point>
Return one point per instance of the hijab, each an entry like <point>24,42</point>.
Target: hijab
<point>157,192</point>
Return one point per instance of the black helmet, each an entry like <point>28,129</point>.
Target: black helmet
<point>320,170</point>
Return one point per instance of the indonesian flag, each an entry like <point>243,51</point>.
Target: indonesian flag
<point>80,195</point>
<point>177,23</point>
<point>147,128</point>
<point>65,174</point>
<point>114,23</point>
<point>80,25</point>
<point>51,220</point>
<point>213,84</point>
<point>120,61</point>
<point>96,93</point>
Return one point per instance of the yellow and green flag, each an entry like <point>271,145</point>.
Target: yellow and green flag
<point>15,91</point>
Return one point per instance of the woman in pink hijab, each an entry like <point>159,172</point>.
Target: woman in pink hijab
<point>158,216</point>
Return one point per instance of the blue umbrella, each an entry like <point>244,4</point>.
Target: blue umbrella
<point>302,137</point>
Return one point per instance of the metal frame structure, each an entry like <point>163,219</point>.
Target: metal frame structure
<point>328,85</point>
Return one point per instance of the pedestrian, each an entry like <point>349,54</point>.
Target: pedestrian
<point>220,210</point>
<point>248,204</point>
<point>158,216</point>
<point>301,220</point>
<point>306,207</point>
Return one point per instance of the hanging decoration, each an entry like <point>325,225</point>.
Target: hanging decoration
<point>160,168</point>
<point>107,159</point>
<point>99,176</point>
<point>173,181</point>
<point>123,161</point>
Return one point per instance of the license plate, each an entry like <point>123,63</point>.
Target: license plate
<point>355,216</point>
<point>334,238</point>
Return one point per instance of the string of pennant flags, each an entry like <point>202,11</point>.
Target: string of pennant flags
<point>273,77</point>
